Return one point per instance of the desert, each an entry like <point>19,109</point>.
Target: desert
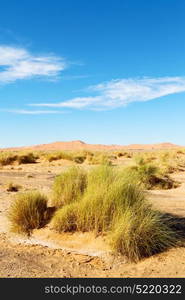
<point>59,247</point>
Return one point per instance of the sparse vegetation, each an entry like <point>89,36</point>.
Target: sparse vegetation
<point>8,158</point>
<point>99,158</point>
<point>105,199</point>
<point>57,155</point>
<point>28,211</point>
<point>125,154</point>
<point>149,175</point>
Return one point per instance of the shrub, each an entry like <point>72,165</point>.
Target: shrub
<point>141,233</point>
<point>99,159</point>
<point>26,158</point>
<point>12,187</point>
<point>57,155</point>
<point>27,212</point>
<point>149,175</point>
<point>79,159</point>
<point>7,158</point>
<point>69,186</point>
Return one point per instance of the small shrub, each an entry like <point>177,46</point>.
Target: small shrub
<point>12,187</point>
<point>27,212</point>
<point>119,154</point>
<point>7,158</point>
<point>69,186</point>
<point>26,158</point>
<point>79,159</point>
<point>99,159</point>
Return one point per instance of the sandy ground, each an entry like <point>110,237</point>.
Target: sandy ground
<point>48,254</point>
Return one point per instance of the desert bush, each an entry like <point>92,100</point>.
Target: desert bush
<point>57,155</point>
<point>99,159</point>
<point>149,175</point>
<point>119,154</point>
<point>171,163</point>
<point>141,233</point>
<point>7,158</point>
<point>12,187</point>
<point>79,159</point>
<point>69,186</point>
<point>126,154</point>
<point>26,158</point>
<point>28,211</point>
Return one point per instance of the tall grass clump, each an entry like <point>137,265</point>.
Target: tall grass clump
<point>69,186</point>
<point>65,219</point>
<point>141,233</point>
<point>104,199</point>
<point>28,211</point>
<point>115,206</point>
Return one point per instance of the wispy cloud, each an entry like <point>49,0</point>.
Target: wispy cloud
<point>31,112</point>
<point>18,63</point>
<point>121,92</point>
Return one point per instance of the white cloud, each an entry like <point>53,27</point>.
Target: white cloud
<point>31,112</point>
<point>18,63</point>
<point>120,92</point>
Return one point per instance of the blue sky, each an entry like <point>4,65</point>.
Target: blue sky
<point>110,72</point>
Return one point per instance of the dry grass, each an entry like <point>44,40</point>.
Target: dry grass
<point>28,211</point>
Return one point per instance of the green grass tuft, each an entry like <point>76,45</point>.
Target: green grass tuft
<point>141,233</point>
<point>69,186</point>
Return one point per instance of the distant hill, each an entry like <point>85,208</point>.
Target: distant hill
<point>80,145</point>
